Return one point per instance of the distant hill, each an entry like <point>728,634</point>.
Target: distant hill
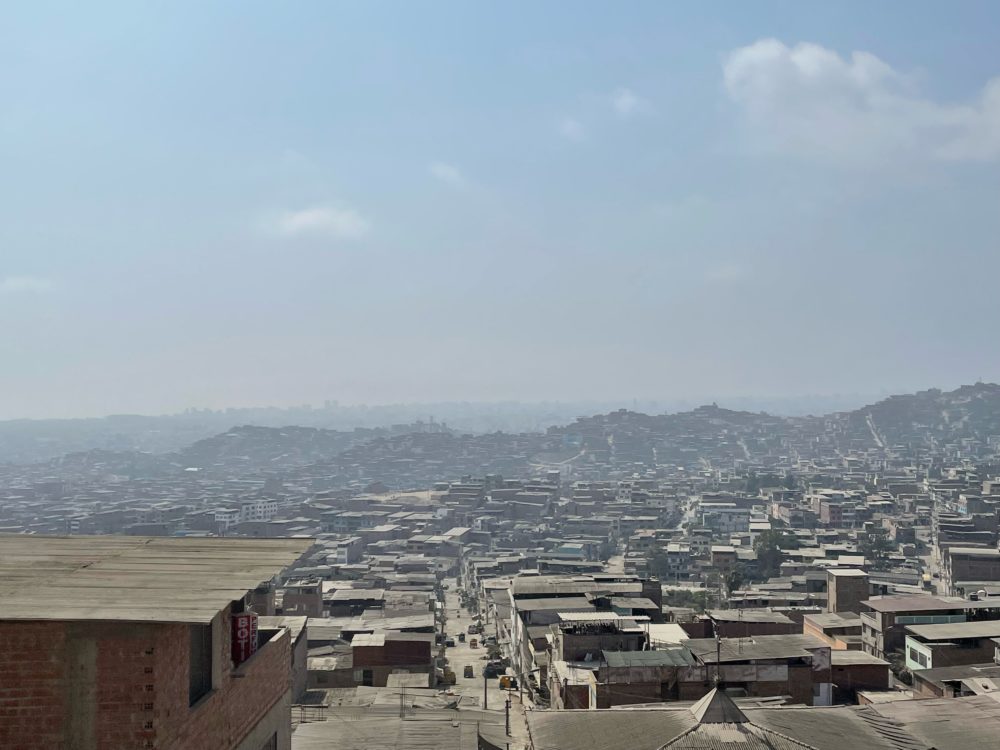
<point>271,447</point>
<point>930,417</point>
<point>424,451</point>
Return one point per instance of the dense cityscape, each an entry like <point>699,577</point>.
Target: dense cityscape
<point>706,570</point>
<point>454,375</point>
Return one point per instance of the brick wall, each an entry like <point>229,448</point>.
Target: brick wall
<point>225,716</point>
<point>393,654</point>
<point>31,677</point>
<point>848,679</point>
<point>125,685</point>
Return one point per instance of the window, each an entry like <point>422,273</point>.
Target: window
<point>200,679</point>
<point>271,744</point>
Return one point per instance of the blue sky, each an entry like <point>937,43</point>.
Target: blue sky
<point>259,203</point>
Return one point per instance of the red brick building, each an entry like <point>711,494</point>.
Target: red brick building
<point>377,655</point>
<point>128,642</point>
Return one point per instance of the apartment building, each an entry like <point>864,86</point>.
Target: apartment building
<point>885,619</point>
<point>968,569</point>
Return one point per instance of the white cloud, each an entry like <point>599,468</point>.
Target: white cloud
<point>572,129</point>
<point>25,284</point>
<point>447,173</point>
<point>336,222</point>
<point>809,100</point>
<point>627,103</point>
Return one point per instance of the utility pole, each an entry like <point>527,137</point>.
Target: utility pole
<point>486,694</point>
<point>718,653</point>
<point>507,717</point>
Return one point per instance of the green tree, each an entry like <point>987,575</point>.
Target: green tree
<point>876,547</point>
<point>695,599</point>
<point>659,564</point>
<point>734,580</point>
<point>769,548</point>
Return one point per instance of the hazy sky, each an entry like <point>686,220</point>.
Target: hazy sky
<point>224,204</point>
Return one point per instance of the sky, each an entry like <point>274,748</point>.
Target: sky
<point>249,203</point>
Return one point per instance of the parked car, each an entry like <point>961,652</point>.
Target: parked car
<point>467,672</point>
<point>493,669</point>
<point>449,642</point>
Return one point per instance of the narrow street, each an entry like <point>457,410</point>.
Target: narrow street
<point>476,687</point>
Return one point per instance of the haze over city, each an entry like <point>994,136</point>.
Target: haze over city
<point>450,375</point>
<point>223,205</point>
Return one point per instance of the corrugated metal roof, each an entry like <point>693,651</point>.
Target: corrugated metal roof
<point>386,733</point>
<point>783,727</point>
<point>919,603</point>
<point>947,723</point>
<point>749,614</point>
<point>734,737</point>
<point>757,647</point>
<point>667,657</point>
<point>607,730</point>
<point>844,658</point>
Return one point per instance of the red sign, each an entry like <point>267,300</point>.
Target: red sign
<point>244,636</point>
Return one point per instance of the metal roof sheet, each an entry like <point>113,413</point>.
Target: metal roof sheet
<point>667,657</point>
<point>956,630</point>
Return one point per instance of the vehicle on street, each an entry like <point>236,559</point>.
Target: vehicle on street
<point>449,642</point>
<point>461,637</point>
<point>467,672</point>
<point>473,643</point>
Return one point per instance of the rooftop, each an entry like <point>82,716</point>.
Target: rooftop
<point>846,572</point>
<point>833,619</point>
<point>718,723</point>
<point>920,603</point>
<point>134,578</point>
<point>666,657</point>
<point>757,647</point>
<point>847,658</point>
<point>974,551</point>
<point>748,615</point>
<point>956,630</point>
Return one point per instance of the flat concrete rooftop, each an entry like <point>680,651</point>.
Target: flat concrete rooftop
<point>133,578</point>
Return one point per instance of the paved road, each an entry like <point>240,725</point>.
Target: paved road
<point>462,654</point>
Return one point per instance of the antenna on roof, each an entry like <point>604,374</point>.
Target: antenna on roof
<point>718,651</point>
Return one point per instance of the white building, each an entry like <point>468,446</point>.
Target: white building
<point>258,510</point>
